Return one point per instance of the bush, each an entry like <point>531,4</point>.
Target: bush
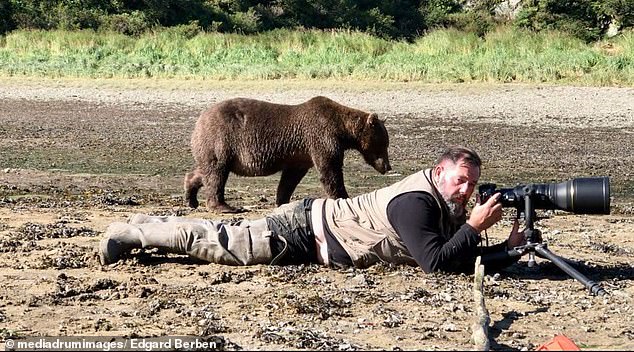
<point>60,14</point>
<point>436,13</point>
<point>74,17</point>
<point>185,31</point>
<point>134,23</point>
<point>476,21</point>
<point>379,24</point>
<point>245,22</point>
<point>621,11</point>
<point>579,18</point>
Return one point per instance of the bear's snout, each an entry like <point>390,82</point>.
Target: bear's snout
<point>381,165</point>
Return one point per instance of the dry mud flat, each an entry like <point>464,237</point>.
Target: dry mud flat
<point>78,155</point>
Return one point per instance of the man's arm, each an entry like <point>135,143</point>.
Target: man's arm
<point>497,256</point>
<point>416,218</point>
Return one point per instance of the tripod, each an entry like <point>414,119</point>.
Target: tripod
<point>533,245</point>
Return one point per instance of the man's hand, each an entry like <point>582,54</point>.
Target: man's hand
<point>485,215</point>
<point>516,238</point>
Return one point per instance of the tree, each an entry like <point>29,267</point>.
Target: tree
<point>6,16</point>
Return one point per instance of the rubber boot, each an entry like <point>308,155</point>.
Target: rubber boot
<point>245,243</point>
<point>120,238</point>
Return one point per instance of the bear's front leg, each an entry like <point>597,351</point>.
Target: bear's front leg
<point>331,176</point>
<point>288,182</point>
<point>214,181</point>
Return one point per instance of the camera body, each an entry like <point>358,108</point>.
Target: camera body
<point>589,195</point>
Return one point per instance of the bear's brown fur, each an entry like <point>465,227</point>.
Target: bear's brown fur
<point>256,138</point>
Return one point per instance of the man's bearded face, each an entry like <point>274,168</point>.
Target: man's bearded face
<point>456,183</point>
<point>456,203</point>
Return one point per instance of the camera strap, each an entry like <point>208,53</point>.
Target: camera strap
<point>486,239</point>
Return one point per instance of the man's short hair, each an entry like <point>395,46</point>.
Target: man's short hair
<point>457,153</point>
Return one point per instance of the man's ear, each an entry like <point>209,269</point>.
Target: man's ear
<point>436,171</point>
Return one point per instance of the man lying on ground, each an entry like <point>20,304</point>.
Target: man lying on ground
<point>420,220</point>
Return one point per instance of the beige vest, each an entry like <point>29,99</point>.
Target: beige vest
<point>361,226</point>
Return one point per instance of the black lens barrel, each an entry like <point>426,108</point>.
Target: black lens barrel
<point>585,195</point>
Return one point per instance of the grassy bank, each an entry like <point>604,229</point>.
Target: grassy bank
<point>442,56</point>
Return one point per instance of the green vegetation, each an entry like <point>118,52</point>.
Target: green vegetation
<point>404,19</point>
<point>445,55</point>
<point>563,41</point>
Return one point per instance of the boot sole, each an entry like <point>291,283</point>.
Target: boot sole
<point>104,258</point>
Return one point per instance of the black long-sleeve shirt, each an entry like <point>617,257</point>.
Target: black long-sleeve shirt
<point>416,218</point>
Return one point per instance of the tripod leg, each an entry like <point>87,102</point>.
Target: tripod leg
<point>594,287</point>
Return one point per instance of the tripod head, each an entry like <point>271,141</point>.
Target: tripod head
<point>532,235</point>
<point>530,215</point>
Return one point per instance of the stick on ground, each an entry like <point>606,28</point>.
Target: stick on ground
<point>480,327</point>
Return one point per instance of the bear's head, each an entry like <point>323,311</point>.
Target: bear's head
<point>374,142</point>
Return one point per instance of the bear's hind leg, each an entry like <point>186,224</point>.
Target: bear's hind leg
<point>288,182</point>
<point>193,182</point>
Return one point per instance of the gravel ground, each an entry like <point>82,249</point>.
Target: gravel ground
<point>76,155</point>
<point>547,106</point>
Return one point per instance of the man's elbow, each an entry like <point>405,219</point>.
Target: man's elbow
<point>449,266</point>
<point>430,267</point>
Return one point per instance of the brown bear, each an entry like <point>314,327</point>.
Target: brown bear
<point>256,138</point>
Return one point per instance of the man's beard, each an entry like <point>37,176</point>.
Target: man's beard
<point>456,208</point>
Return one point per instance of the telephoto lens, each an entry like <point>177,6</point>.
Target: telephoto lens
<point>584,195</point>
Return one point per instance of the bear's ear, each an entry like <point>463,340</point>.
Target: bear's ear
<point>372,119</point>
